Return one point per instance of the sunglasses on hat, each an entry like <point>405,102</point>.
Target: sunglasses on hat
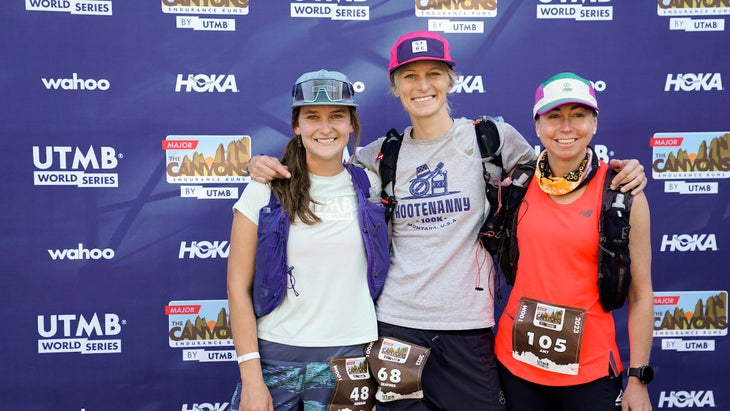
<point>323,91</point>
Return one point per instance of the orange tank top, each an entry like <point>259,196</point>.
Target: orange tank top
<point>553,330</point>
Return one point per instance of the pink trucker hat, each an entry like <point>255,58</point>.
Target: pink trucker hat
<point>564,88</point>
<point>419,45</point>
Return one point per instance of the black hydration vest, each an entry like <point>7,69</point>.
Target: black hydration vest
<point>499,234</point>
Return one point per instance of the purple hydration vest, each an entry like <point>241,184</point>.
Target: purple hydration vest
<point>272,270</point>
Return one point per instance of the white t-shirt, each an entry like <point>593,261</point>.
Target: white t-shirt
<point>333,306</point>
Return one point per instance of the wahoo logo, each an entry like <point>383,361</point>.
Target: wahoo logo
<point>82,253</point>
<point>689,242</point>
<point>75,83</point>
<point>203,83</point>
<point>694,82</point>
<point>204,249</point>
<point>685,399</point>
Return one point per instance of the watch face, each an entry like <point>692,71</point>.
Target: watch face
<point>646,374</point>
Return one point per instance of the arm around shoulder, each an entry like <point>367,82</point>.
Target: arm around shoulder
<point>515,148</point>
<point>367,157</point>
<point>263,169</point>
<point>630,176</point>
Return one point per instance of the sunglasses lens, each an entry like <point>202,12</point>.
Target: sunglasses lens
<point>322,90</point>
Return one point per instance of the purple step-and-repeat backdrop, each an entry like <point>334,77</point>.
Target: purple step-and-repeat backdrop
<point>128,125</point>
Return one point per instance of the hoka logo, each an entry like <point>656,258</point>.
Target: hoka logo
<point>689,242</point>
<point>203,83</point>
<point>694,82</point>
<point>468,84</point>
<point>204,249</point>
<point>206,406</point>
<point>686,399</point>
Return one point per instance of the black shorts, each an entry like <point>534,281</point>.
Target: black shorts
<point>460,373</point>
<point>603,394</point>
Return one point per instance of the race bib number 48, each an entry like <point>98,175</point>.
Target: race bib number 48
<point>548,336</point>
<point>354,387</point>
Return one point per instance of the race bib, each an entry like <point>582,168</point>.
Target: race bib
<point>548,336</point>
<point>354,386</point>
<point>397,367</point>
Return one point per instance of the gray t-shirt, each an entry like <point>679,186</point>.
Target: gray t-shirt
<point>436,260</point>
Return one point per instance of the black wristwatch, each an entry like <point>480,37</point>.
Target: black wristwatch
<point>644,373</point>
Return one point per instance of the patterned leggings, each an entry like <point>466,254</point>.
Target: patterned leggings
<point>298,378</point>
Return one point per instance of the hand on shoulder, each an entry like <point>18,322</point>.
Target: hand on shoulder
<point>263,169</point>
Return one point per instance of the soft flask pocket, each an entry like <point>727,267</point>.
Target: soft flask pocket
<point>614,260</point>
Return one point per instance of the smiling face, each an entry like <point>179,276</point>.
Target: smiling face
<point>325,131</point>
<point>422,87</point>
<point>565,132</point>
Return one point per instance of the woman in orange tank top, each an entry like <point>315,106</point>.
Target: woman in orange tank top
<point>555,345</point>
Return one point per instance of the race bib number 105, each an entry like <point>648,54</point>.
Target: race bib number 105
<point>548,336</point>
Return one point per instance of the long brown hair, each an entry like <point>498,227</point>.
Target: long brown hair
<point>294,192</point>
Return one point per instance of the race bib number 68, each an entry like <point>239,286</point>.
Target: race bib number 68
<point>397,366</point>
